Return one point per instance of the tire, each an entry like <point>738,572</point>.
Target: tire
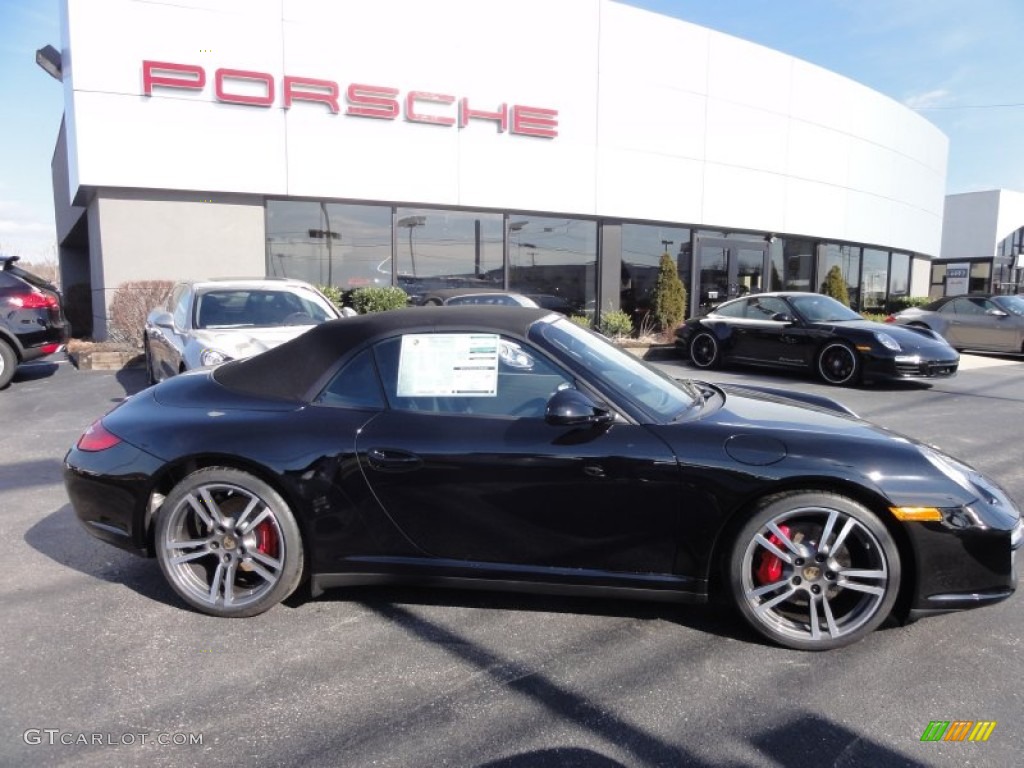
<point>839,364</point>
<point>788,578</point>
<point>705,351</point>
<point>150,375</point>
<point>8,363</point>
<point>228,544</point>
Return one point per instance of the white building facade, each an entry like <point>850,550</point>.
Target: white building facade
<point>556,149</point>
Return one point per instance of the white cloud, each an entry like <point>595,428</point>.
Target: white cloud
<point>928,99</point>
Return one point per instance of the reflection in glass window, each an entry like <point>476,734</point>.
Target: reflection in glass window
<point>448,249</point>
<point>899,276</point>
<point>554,262</point>
<point>875,281</point>
<point>642,247</point>
<point>847,257</point>
<point>791,269</point>
<point>346,246</point>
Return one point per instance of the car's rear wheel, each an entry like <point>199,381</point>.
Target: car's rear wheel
<point>839,364</point>
<point>8,363</point>
<point>705,351</point>
<point>814,571</point>
<point>228,543</point>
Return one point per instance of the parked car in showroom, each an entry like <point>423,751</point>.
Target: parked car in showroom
<point>32,323</point>
<point>212,321</point>
<point>508,448</point>
<point>813,332</point>
<point>980,321</point>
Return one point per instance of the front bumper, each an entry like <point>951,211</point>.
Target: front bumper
<point>910,367</point>
<point>960,567</point>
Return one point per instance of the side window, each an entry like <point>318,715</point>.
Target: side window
<point>766,308</point>
<point>733,309</point>
<point>180,308</point>
<point>355,385</point>
<point>949,308</point>
<point>970,306</point>
<point>515,381</point>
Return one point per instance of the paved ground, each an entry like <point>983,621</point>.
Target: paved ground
<point>95,646</point>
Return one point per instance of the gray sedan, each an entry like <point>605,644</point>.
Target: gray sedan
<point>981,321</point>
<point>211,322</point>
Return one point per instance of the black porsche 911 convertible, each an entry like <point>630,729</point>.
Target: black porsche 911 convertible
<point>508,448</point>
<point>813,332</point>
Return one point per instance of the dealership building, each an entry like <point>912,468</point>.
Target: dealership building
<point>557,153</point>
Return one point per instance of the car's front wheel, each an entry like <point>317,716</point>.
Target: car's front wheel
<point>228,543</point>
<point>705,351</point>
<point>839,364</point>
<point>813,570</point>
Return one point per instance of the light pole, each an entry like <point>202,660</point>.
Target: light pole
<point>412,222</point>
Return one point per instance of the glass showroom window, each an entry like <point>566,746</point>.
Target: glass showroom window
<point>899,277</point>
<point>875,282</point>
<point>347,246</point>
<point>847,257</point>
<point>554,261</point>
<point>447,249</point>
<point>642,247</point>
<point>791,265</point>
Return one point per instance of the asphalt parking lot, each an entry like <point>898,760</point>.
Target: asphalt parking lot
<point>101,662</point>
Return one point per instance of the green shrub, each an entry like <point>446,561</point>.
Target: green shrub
<point>581,320</point>
<point>669,295</point>
<point>333,294</point>
<point>835,286</point>
<point>616,324</point>
<point>378,298</point>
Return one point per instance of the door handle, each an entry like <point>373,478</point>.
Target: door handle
<point>389,460</point>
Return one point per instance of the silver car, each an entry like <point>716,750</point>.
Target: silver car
<point>210,322</point>
<point>981,321</point>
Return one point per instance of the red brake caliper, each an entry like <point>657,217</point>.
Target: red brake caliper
<point>266,538</point>
<point>770,569</point>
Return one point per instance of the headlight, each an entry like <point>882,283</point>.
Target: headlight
<point>969,479</point>
<point>887,341</point>
<point>213,357</point>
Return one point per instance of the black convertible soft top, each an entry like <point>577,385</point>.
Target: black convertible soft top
<point>291,370</point>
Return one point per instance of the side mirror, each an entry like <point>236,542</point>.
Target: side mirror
<point>997,313</point>
<point>161,318</point>
<point>782,317</point>
<point>572,408</point>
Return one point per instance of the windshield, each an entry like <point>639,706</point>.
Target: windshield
<point>818,308</point>
<point>618,371</point>
<point>1012,304</point>
<point>236,308</point>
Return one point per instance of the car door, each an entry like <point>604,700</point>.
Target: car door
<point>166,343</point>
<point>767,333</point>
<point>470,471</point>
<point>973,326</point>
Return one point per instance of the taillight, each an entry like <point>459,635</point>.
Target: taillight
<point>35,300</point>
<point>97,438</point>
<point>890,319</point>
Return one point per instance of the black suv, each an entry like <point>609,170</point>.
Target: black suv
<point>32,322</point>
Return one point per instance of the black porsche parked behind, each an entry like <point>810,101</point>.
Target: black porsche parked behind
<point>506,447</point>
<point>813,332</point>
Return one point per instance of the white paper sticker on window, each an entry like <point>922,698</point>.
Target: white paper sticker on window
<point>448,365</point>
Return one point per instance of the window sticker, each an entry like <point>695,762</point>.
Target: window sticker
<point>451,364</point>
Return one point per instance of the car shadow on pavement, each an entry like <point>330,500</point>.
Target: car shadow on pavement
<point>35,371</point>
<point>61,538</point>
<point>132,379</point>
<point>710,618</point>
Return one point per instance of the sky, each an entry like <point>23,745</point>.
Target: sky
<point>960,63</point>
